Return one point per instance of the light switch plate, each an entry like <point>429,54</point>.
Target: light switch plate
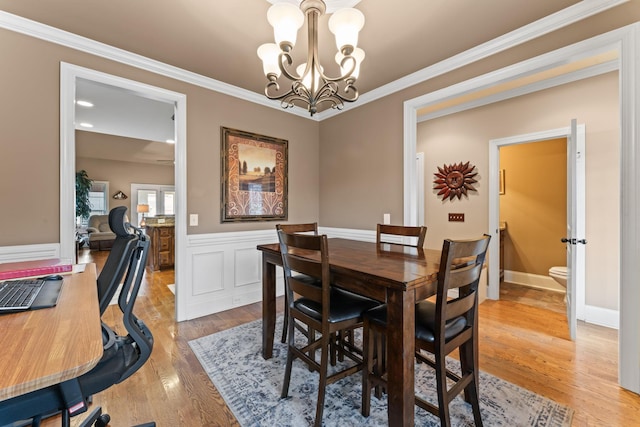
<point>456,217</point>
<point>193,220</point>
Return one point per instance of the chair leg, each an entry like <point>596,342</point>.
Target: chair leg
<point>334,345</point>
<point>285,326</point>
<point>287,372</point>
<point>380,359</point>
<point>441,385</point>
<point>367,365</point>
<point>322,385</point>
<point>471,391</point>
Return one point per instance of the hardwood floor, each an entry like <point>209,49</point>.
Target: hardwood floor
<point>548,300</point>
<point>523,344</point>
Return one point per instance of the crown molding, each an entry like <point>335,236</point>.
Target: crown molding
<point>567,16</point>
<point>50,34</point>
<point>548,24</point>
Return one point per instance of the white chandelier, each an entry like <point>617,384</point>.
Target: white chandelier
<point>310,86</point>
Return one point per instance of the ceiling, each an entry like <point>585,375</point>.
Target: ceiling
<point>219,38</point>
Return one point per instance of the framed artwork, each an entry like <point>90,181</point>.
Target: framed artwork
<point>254,177</point>
<point>501,181</point>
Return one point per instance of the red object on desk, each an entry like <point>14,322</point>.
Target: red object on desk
<point>42,267</point>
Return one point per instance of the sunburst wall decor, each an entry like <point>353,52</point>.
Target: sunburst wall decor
<point>455,180</point>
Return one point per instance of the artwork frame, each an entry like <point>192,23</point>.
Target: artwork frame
<point>254,182</point>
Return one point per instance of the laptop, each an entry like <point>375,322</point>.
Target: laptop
<point>37,294</point>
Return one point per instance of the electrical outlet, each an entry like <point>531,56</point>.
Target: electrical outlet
<point>386,218</point>
<point>456,217</point>
<point>193,220</point>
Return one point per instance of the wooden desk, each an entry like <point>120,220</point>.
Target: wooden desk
<point>394,274</point>
<point>40,348</point>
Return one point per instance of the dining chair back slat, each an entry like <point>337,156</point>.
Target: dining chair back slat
<point>384,231</point>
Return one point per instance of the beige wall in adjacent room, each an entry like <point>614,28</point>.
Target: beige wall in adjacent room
<point>534,205</point>
<point>121,175</point>
<point>30,161</point>
<point>465,136</point>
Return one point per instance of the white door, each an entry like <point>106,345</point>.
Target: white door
<point>575,225</point>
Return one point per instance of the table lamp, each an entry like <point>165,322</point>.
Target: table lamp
<point>143,209</point>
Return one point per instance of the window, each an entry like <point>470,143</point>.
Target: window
<point>98,200</point>
<point>160,198</point>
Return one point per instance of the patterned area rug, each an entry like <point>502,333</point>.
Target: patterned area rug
<point>251,387</point>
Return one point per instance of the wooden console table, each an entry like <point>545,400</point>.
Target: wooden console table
<point>162,253</point>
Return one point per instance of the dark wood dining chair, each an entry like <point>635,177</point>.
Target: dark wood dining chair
<point>308,228</point>
<point>325,309</point>
<point>441,327</point>
<point>384,231</point>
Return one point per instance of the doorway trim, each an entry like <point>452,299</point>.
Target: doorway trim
<point>69,74</point>
<point>626,42</point>
<point>494,206</point>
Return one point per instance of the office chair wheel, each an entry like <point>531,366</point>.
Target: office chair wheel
<point>102,421</point>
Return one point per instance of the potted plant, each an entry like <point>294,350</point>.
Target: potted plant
<point>83,186</point>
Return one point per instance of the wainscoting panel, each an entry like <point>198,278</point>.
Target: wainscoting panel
<point>225,270</point>
<point>30,252</point>
<point>209,267</point>
<point>247,267</point>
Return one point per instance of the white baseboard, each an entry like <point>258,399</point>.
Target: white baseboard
<point>532,280</point>
<point>602,316</point>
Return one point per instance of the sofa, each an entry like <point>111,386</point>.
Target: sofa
<point>100,235</point>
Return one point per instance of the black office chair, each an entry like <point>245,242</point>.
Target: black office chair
<point>122,357</point>
<point>118,260</point>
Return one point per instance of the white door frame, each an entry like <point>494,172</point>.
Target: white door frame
<point>626,41</point>
<point>494,207</point>
<point>420,187</point>
<point>68,76</point>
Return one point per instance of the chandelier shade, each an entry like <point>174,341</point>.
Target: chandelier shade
<point>286,20</point>
<point>310,86</point>
<point>345,24</point>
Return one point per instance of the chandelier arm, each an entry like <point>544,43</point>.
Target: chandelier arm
<point>332,89</point>
<point>347,75</point>
<point>349,88</point>
<point>274,86</point>
<point>285,57</point>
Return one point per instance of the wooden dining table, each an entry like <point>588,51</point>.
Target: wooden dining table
<point>396,274</point>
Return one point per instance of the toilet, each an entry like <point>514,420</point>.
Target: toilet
<point>559,274</point>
